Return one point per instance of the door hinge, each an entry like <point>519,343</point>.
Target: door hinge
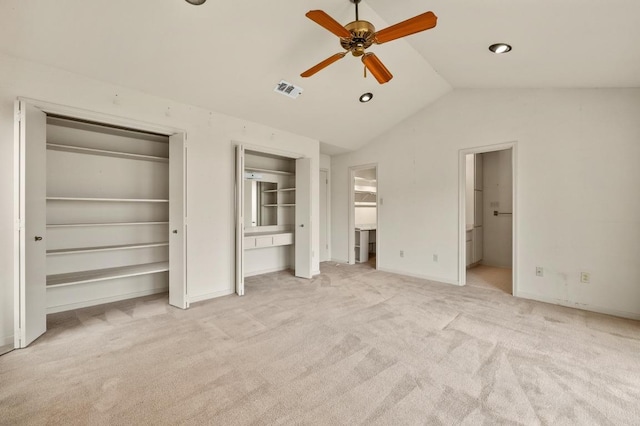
<point>19,224</point>
<point>19,115</point>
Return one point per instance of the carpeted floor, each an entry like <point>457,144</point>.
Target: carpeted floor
<point>352,346</point>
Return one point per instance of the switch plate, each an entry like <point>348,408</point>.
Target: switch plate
<point>585,277</point>
<point>539,271</point>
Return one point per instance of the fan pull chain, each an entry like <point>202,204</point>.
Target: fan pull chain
<point>365,71</point>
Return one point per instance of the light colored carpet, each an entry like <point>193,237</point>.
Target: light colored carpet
<point>352,346</point>
<point>490,277</point>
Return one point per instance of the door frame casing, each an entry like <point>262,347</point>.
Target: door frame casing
<point>462,173</point>
<point>51,108</point>
<point>327,202</point>
<point>351,242</point>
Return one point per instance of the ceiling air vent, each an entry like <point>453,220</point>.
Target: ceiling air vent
<point>288,89</point>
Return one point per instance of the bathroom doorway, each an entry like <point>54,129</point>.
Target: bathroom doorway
<point>487,222</point>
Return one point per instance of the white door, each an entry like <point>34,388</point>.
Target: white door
<point>324,239</point>
<point>31,294</point>
<point>303,218</point>
<point>240,220</point>
<point>177,222</point>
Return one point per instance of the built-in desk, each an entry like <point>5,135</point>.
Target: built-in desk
<point>255,240</point>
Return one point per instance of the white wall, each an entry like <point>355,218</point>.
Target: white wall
<point>578,176</point>
<point>497,191</point>
<point>210,205</point>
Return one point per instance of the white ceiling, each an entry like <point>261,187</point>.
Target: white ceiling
<point>228,55</point>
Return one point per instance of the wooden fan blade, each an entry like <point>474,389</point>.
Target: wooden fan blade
<point>311,71</point>
<point>326,21</point>
<point>410,26</point>
<point>376,67</point>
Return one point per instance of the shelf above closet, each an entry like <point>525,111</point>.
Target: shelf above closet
<point>275,172</point>
<point>109,200</point>
<point>105,153</point>
<point>105,248</point>
<point>73,278</point>
<point>70,225</point>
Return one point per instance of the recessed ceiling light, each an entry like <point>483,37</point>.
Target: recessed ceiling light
<point>196,2</point>
<point>500,48</point>
<point>366,97</point>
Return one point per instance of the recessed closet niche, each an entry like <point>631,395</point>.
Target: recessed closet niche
<point>273,232</point>
<point>107,213</point>
<point>101,214</point>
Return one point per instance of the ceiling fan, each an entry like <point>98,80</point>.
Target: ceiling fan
<point>357,36</point>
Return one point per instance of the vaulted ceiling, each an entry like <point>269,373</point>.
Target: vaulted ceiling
<point>228,55</point>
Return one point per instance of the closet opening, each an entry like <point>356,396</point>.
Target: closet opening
<point>488,219</point>
<point>273,214</point>
<point>363,216</point>
<point>102,213</point>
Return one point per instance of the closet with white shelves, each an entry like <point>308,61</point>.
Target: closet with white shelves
<point>107,210</point>
<point>271,235</point>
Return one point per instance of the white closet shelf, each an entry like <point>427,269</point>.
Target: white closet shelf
<point>280,190</point>
<point>105,248</point>
<point>73,278</point>
<point>275,172</point>
<point>71,225</point>
<point>105,153</point>
<point>278,205</point>
<point>109,200</point>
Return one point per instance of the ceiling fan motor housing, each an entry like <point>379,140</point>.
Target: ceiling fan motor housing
<point>362,37</point>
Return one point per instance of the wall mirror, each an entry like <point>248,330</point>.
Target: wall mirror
<point>260,203</point>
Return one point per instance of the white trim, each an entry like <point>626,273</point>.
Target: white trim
<point>421,276</point>
<point>6,341</point>
<point>99,117</point>
<point>208,296</point>
<point>581,306</point>
<point>351,243</point>
<point>94,302</point>
<point>328,202</point>
<point>17,245</point>
<point>267,271</point>
<point>462,172</point>
<point>267,150</point>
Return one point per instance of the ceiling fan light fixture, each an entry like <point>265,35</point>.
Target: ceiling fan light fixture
<point>499,48</point>
<point>196,2</point>
<point>366,97</point>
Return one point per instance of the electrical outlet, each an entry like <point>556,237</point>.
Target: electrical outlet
<point>585,277</point>
<point>435,257</point>
<point>401,253</point>
<point>539,271</point>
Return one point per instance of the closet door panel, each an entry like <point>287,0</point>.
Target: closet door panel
<point>303,218</point>
<point>31,301</point>
<point>239,186</point>
<point>177,222</point>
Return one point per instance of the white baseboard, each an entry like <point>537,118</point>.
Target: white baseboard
<point>314,273</point>
<point>424,277</point>
<point>207,296</point>
<point>6,344</point>
<point>339,261</point>
<point>266,271</point>
<point>93,302</point>
<point>582,306</point>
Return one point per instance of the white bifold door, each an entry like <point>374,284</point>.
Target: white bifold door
<point>303,218</point>
<point>31,295</point>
